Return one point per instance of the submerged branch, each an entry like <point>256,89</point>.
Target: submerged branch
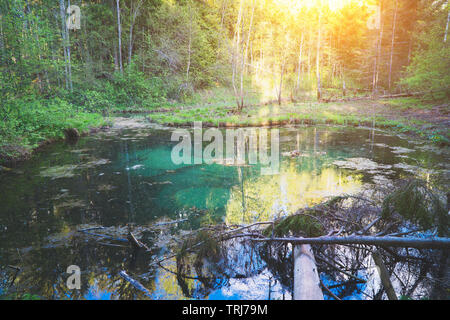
<point>135,283</point>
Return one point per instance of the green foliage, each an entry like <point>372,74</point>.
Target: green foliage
<point>29,121</point>
<point>415,202</point>
<point>430,63</point>
<point>19,296</point>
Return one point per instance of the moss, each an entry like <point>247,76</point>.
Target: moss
<point>297,225</point>
<point>334,201</point>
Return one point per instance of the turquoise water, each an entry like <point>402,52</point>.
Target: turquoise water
<point>125,178</point>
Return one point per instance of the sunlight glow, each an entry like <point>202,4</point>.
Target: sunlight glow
<point>334,5</point>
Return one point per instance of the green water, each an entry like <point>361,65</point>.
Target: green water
<point>126,177</point>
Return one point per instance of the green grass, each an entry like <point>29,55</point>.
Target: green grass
<point>408,103</point>
<point>303,113</point>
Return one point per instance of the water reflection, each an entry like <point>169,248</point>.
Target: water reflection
<point>267,197</point>
<point>126,177</point>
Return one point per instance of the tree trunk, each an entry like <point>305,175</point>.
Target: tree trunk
<point>392,43</point>
<point>189,45</point>
<point>306,277</point>
<point>119,31</point>
<point>299,64</point>
<point>319,89</point>
<point>281,81</point>
<point>446,27</point>
<point>133,20</point>
<point>116,59</point>
<point>63,35</point>
<point>68,53</point>
<point>244,57</point>
<point>234,62</point>
<point>380,43</point>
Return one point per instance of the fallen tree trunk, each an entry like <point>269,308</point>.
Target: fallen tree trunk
<point>418,243</point>
<point>306,278</point>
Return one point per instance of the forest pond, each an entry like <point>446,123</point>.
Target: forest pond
<point>124,178</point>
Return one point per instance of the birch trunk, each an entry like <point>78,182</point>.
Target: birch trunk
<point>392,43</point>
<point>380,43</point>
<point>234,62</point>
<point>68,52</point>
<point>319,89</point>
<point>189,45</point>
<point>119,30</point>
<point>299,63</point>
<point>281,81</point>
<point>306,277</point>
<point>244,56</point>
<point>63,35</point>
<point>446,27</point>
<point>130,42</point>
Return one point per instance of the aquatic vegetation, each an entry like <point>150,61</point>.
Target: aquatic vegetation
<point>57,172</point>
<point>68,170</point>
<point>72,203</point>
<point>360,164</point>
<point>400,150</point>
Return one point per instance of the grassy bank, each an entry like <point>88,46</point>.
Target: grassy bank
<point>411,116</point>
<point>29,124</point>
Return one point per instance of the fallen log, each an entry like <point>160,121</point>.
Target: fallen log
<point>306,278</point>
<point>418,243</point>
<point>169,222</point>
<point>103,236</point>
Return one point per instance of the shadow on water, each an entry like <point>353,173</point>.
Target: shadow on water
<point>125,179</point>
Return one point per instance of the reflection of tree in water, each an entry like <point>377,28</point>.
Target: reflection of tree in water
<point>45,269</point>
<point>346,271</point>
<point>213,257</point>
<point>264,197</point>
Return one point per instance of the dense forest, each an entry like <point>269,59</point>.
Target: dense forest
<point>148,53</point>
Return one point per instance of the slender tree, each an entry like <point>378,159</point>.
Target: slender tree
<point>319,89</point>
<point>394,22</point>
<point>119,35</point>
